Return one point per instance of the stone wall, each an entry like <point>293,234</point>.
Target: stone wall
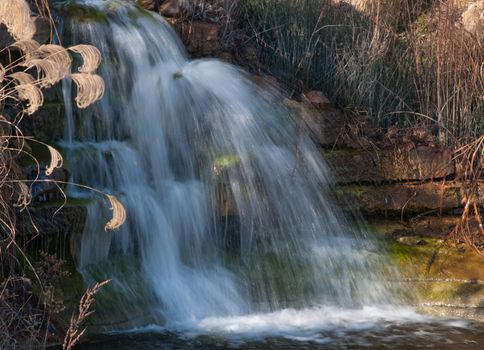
<point>409,192</point>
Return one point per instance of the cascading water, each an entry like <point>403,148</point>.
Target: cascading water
<point>229,212</point>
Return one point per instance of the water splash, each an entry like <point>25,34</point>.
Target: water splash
<point>228,202</point>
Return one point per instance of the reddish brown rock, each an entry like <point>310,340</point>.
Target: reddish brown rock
<point>398,199</point>
<point>327,128</point>
<point>226,56</point>
<point>404,163</point>
<point>171,8</point>
<point>148,4</point>
<point>316,99</point>
<point>200,38</point>
<point>420,226</point>
<point>248,56</point>
<point>417,163</point>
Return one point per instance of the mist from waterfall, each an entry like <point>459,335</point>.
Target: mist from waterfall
<point>228,202</point>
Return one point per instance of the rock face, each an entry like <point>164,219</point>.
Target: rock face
<point>170,8</point>
<point>328,126</point>
<point>443,280</point>
<point>407,163</point>
<point>47,124</point>
<point>52,221</point>
<point>403,229</point>
<point>148,4</point>
<point>201,38</point>
<point>316,99</point>
<point>405,198</point>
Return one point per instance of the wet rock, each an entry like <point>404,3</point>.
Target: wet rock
<point>411,241</point>
<point>353,166</point>
<point>226,56</point>
<point>45,188</point>
<point>434,226</point>
<point>168,8</point>
<point>42,34</point>
<point>446,279</point>
<point>390,165</point>
<point>52,220</point>
<point>47,124</point>
<point>420,163</point>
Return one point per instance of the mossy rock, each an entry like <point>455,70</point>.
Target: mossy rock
<point>441,274</point>
<point>81,12</point>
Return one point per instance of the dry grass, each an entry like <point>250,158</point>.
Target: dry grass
<point>76,329</point>
<point>25,316</point>
<point>404,62</point>
<point>470,159</point>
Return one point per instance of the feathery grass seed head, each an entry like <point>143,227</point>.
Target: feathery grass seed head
<point>90,55</point>
<point>56,160</point>
<point>15,14</point>
<point>119,214</point>
<point>90,88</point>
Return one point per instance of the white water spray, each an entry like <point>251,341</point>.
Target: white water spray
<point>172,138</point>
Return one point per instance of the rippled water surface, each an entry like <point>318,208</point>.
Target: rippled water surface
<point>317,328</point>
<point>386,336</point>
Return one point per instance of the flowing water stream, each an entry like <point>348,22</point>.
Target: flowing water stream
<point>231,227</point>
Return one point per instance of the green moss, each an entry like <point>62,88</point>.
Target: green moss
<point>112,301</point>
<point>38,151</point>
<point>415,259</point>
<point>422,23</point>
<point>69,201</point>
<point>401,253</point>
<point>437,292</point>
<point>383,227</point>
<point>83,13</point>
<point>177,76</point>
<point>226,161</point>
<point>451,292</point>
<point>353,189</point>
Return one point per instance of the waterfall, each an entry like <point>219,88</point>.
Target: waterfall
<point>228,202</point>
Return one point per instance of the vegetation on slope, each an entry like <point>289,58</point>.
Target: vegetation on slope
<point>403,62</point>
<point>28,294</point>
